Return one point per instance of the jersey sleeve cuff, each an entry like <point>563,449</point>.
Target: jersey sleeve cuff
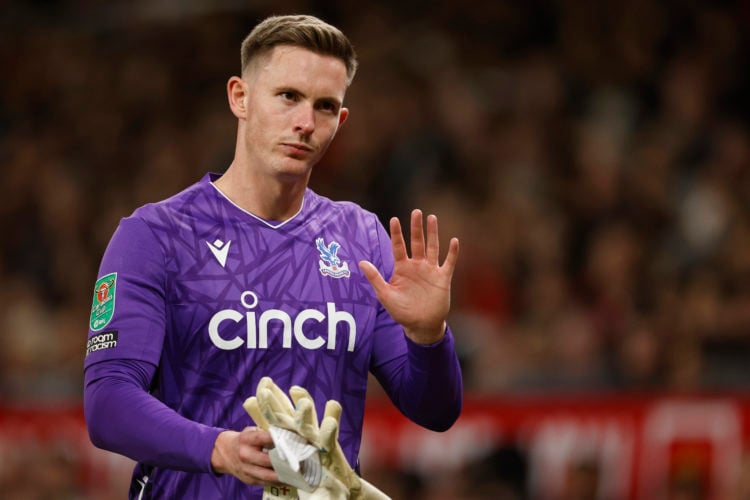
<point>208,440</point>
<point>424,356</point>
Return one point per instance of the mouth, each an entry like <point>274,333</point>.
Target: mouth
<point>297,148</point>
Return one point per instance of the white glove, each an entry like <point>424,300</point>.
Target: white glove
<point>271,407</point>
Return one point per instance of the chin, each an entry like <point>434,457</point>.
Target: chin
<point>294,173</point>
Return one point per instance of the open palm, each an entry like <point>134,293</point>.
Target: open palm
<point>418,295</point>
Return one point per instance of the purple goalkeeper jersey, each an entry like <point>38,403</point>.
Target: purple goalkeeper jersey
<point>217,298</point>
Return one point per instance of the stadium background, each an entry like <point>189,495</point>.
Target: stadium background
<point>593,158</point>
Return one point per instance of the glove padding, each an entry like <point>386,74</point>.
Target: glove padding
<point>270,406</point>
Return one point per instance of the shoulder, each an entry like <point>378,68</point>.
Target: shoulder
<point>347,223</point>
<point>157,226</point>
<point>178,201</point>
<point>176,208</point>
<point>323,205</point>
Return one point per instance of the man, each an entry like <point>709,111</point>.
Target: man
<point>252,274</point>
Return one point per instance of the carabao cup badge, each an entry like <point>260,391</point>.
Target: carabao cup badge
<point>103,306</point>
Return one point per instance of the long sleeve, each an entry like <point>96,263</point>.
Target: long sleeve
<point>124,418</point>
<point>425,383</point>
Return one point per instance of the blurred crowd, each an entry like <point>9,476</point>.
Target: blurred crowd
<point>592,157</point>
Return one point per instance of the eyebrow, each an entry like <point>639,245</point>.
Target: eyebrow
<point>333,100</point>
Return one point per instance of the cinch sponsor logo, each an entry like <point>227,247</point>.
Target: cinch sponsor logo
<point>256,326</point>
<point>104,340</point>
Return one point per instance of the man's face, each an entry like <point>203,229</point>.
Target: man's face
<point>294,108</point>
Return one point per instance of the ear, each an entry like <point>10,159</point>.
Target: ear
<point>343,115</point>
<point>237,93</point>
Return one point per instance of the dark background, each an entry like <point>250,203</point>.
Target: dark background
<point>592,157</point>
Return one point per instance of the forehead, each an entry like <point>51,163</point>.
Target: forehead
<point>300,68</point>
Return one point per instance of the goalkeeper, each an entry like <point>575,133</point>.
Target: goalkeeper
<point>250,273</point>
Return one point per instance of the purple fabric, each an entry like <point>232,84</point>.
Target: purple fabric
<point>123,416</point>
<point>423,385</point>
<point>216,299</point>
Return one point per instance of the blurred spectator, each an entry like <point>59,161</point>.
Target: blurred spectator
<point>595,163</point>
<point>593,158</point>
<point>582,481</point>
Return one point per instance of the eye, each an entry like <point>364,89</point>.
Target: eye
<point>328,107</point>
<point>289,95</point>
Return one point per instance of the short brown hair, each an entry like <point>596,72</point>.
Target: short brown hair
<point>307,32</point>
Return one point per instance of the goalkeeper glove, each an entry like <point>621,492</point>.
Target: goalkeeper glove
<point>270,408</point>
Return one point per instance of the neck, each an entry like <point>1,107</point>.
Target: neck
<point>268,199</point>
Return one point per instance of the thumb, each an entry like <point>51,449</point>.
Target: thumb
<point>373,276</point>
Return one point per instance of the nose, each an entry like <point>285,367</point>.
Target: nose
<point>304,119</point>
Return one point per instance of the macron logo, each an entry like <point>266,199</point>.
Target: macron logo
<point>220,250</point>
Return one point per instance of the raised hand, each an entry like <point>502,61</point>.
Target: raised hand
<point>418,295</point>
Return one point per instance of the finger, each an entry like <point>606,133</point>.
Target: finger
<point>397,240</point>
<point>276,405</point>
<point>297,393</point>
<point>329,433</point>
<point>253,409</point>
<point>252,442</point>
<point>305,413</point>
<point>417,235</point>
<point>333,410</point>
<point>257,474</point>
<point>306,420</point>
<point>374,277</point>
<point>274,410</point>
<point>282,400</point>
<point>255,436</point>
<point>433,242</point>
<point>450,260</point>
<point>332,456</point>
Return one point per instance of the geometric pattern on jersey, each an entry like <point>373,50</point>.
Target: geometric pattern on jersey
<point>214,279</point>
